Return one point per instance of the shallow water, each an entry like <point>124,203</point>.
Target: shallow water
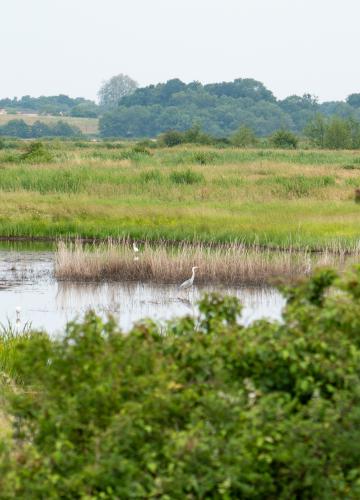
<point>26,281</point>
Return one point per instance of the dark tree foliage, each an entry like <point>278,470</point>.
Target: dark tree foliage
<point>354,100</point>
<point>241,88</point>
<point>220,109</point>
<point>53,105</point>
<point>284,139</point>
<point>18,128</point>
<point>334,132</point>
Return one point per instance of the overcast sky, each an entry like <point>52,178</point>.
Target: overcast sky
<point>71,46</point>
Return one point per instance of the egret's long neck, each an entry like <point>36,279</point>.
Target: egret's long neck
<point>193,274</point>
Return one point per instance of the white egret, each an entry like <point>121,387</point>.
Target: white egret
<point>188,283</point>
<point>136,251</point>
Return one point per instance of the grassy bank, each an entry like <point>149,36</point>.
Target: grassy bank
<point>267,197</point>
<point>205,409</point>
<point>230,265</point>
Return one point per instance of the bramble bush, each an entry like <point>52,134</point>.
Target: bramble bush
<point>211,409</point>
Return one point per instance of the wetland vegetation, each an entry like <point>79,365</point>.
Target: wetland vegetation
<point>226,265</point>
<point>268,197</point>
<point>205,409</point>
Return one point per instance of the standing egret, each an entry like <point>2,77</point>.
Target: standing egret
<point>135,248</point>
<point>136,251</point>
<point>188,283</point>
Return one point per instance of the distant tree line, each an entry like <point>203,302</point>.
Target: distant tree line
<point>51,105</point>
<point>334,132</point>
<point>321,132</point>
<point>18,128</point>
<point>219,109</point>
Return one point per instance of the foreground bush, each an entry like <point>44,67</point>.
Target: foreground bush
<point>210,410</point>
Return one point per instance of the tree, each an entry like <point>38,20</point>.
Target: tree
<point>113,90</point>
<point>171,138</point>
<point>354,100</point>
<point>40,129</point>
<point>334,133</point>
<point>85,110</point>
<point>338,134</point>
<point>16,128</point>
<point>242,88</point>
<point>315,130</point>
<point>284,139</point>
<point>244,137</point>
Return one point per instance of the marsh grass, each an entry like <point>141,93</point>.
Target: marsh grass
<point>300,186</point>
<point>199,194</point>
<point>10,336</point>
<point>233,264</point>
<point>186,177</point>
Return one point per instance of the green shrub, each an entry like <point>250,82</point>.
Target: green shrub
<point>338,134</point>
<point>37,152</point>
<point>193,135</point>
<point>112,145</point>
<point>210,410</point>
<point>186,177</point>
<point>147,143</point>
<point>204,157</point>
<point>334,132</point>
<point>141,149</point>
<point>284,139</point>
<point>171,138</point>
<point>244,137</point>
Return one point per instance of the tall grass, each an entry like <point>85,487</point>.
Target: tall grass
<point>275,198</point>
<point>233,264</point>
<point>10,335</point>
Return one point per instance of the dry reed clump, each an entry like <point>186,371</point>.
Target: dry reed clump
<point>231,265</point>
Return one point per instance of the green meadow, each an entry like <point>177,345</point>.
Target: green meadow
<point>302,198</point>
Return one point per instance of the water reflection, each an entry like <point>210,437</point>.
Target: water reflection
<point>26,282</point>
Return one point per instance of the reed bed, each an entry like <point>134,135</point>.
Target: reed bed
<point>234,264</point>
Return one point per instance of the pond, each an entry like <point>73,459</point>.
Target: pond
<point>27,282</point>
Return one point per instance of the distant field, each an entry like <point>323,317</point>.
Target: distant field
<point>86,125</point>
<point>271,197</point>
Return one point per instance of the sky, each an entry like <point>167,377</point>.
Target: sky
<point>71,46</point>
